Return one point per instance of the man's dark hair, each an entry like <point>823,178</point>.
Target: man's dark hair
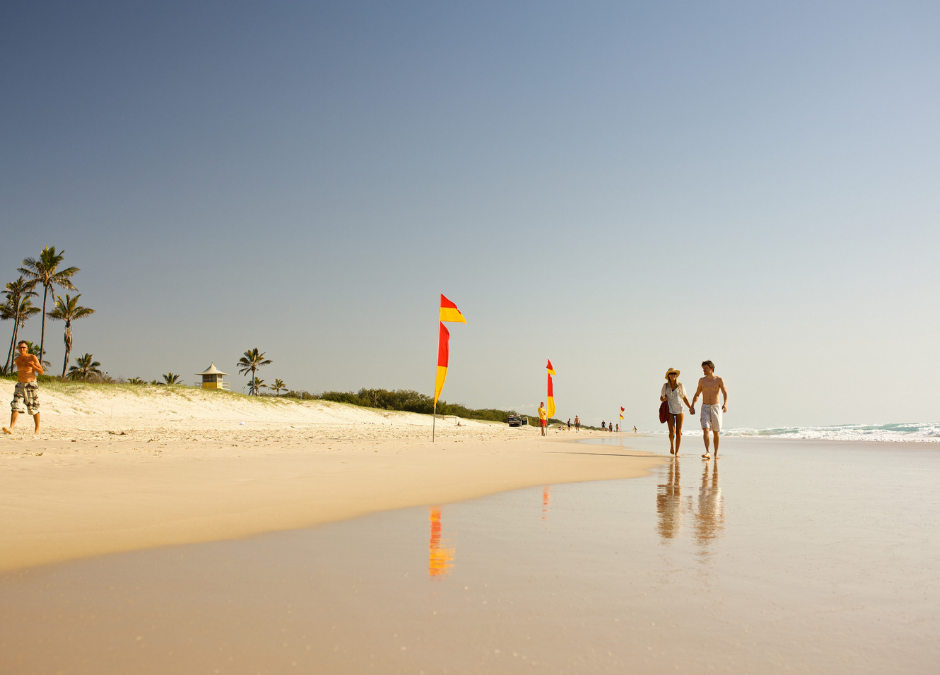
<point>709,364</point>
<point>22,342</point>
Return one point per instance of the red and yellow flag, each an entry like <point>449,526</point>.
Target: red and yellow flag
<point>621,412</point>
<point>443,355</point>
<point>449,311</point>
<point>551,393</point>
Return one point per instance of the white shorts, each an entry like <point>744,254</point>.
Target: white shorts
<point>711,417</point>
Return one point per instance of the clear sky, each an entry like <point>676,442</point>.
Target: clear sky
<point>620,187</point>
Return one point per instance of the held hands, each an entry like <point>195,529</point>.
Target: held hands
<point>691,409</point>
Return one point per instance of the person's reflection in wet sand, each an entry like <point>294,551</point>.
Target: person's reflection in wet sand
<point>668,503</point>
<point>440,560</point>
<point>710,514</point>
<point>546,501</point>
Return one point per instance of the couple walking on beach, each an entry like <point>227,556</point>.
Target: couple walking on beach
<point>709,387</point>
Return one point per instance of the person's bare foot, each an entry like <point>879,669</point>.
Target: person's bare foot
<point>706,456</point>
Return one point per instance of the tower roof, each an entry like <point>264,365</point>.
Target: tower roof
<point>212,370</point>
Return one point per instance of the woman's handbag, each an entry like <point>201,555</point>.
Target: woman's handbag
<point>664,412</point>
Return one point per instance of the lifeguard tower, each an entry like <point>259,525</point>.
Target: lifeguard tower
<point>212,378</point>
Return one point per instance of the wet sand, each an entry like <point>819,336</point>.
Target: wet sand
<point>123,468</point>
<point>784,556</point>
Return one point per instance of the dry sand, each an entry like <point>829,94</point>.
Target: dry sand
<point>119,468</point>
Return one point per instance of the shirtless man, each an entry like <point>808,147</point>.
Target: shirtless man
<point>708,388</point>
<point>26,394</point>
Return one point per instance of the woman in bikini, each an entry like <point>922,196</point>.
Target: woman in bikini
<point>674,393</point>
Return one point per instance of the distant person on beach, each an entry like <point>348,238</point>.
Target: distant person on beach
<point>674,393</point>
<point>634,429</point>
<point>709,388</point>
<point>603,425</point>
<point>543,417</point>
<point>618,428</point>
<point>577,424</point>
<point>569,424</point>
<point>26,393</point>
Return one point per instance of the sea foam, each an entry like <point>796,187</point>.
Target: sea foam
<point>916,432</point>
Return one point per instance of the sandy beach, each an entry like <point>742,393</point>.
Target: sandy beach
<point>783,557</point>
<point>122,468</point>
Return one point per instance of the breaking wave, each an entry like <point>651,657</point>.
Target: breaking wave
<point>917,432</point>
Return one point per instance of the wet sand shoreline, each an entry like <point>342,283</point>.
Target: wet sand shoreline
<point>74,498</point>
<point>785,556</point>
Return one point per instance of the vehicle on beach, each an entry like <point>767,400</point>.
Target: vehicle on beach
<point>516,421</point>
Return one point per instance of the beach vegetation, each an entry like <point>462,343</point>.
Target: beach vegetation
<point>85,367</point>
<point>278,387</point>
<point>68,310</point>
<point>135,380</point>
<point>44,271</point>
<point>405,400</point>
<point>18,308</point>
<point>255,386</point>
<point>250,362</point>
<point>171,378</point>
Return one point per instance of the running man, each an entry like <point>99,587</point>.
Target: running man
<point>26,393</point>
<point>543,417</point>
<point>709,388</point>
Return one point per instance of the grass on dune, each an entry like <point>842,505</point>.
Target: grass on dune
<point>64,387</point>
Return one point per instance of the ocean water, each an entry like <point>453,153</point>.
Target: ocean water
<point>907,432</point>
<point>910,432</point>
<point>781,557</point>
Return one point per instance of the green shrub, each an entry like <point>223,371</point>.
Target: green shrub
<point>405,400</point>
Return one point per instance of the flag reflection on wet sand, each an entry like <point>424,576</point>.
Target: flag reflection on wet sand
<point>440,560</point>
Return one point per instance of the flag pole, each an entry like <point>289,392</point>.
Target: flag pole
<point>433,421</point>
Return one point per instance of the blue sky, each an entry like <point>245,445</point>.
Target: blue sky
<point>620,187</point>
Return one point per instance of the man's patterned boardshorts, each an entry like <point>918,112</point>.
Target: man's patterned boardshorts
<point>26,398</point>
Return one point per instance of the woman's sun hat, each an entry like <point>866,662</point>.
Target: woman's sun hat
<point>671,371</point>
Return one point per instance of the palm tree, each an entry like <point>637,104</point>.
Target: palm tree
<point>85,366</point>
<point>18,308</point>
<point>255,386</point>
<point>171,378</point>
<point>46,273</point>
<point>277,386</point>
<point>135,380</point>
<point>34,350</point>
<point>67,310</point>
<point>251,361</point>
